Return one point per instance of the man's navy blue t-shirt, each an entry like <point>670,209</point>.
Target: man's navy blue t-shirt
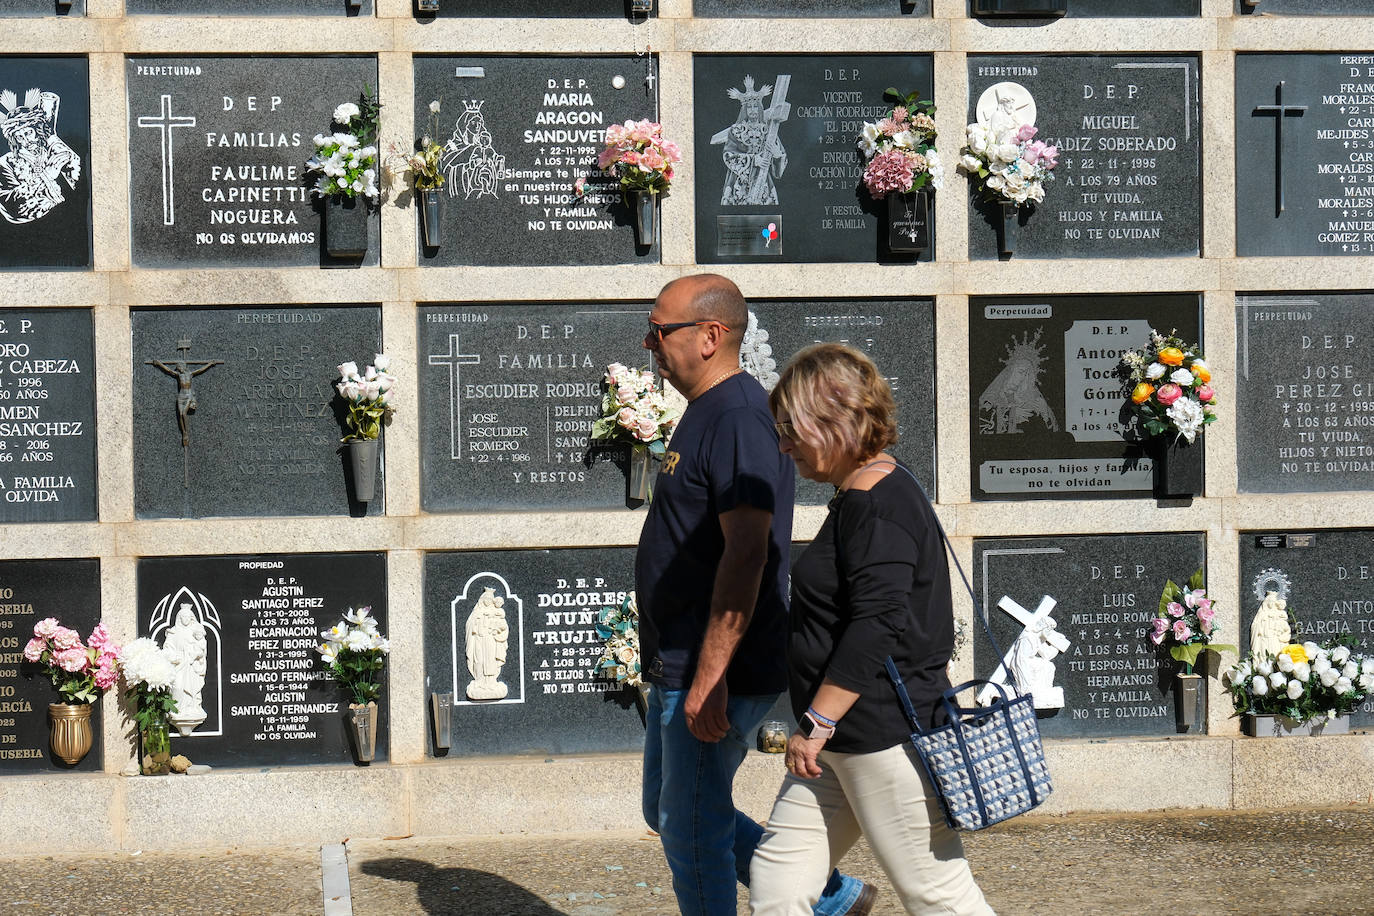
<point>724,454</point>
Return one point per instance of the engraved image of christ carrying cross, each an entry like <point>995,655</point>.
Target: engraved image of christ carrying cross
<point>165,124</point>
<point>454,359</point>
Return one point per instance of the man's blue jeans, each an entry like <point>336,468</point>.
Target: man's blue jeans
<point>688,800</point>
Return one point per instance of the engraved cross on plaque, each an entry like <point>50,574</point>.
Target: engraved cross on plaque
<point>454,358</point>
<point>165,123</point>
<point>1279,111</point>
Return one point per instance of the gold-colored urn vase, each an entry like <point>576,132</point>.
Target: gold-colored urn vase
<point>71,734</point>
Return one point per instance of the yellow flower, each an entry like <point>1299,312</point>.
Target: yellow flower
<point>1142,393</point>
<point>1171,356</point>
<point>1200,371</point>
<point>1295,652</point>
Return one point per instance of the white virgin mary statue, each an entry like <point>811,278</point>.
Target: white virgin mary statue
<point>185,649</point>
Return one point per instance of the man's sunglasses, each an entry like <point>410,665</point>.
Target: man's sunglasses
<point>659,331</point>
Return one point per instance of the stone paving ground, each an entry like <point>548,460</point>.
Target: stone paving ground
<point>1318,861</point>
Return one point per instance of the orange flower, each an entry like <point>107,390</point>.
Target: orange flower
<point>1171,356</point>
<point>1200,371</point>
<point>1142,393</point>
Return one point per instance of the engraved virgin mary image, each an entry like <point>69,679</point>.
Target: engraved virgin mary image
<point>37,162</point>
<point>485,637</point>
<point>753,154</point>
<point>1014,395</point>
<point>470,161</point>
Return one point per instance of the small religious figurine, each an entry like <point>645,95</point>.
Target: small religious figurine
<point>184,647</point>
<point>1032,664</point>
<point>487,634</point>
<point>1269,631</point>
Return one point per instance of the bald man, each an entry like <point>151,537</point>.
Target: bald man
<point>711,581</point>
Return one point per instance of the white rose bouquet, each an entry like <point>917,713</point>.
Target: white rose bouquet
<point>1012,165</point>
<point>346,161</point>
<point>366,394</point>
<point>148,676</point>
<point>634,410</point>
<point>1304,681</point>
<point>353,650</point>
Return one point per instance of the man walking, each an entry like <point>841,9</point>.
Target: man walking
<point>711,577</point>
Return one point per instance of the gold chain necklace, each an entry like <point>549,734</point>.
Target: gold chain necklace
<point>720,378</point>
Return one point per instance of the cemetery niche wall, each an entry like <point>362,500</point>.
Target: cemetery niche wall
<point>522,9</point>
<point>1321,583</point>
<point>47,416</point>
<point>1305,154</point>
<point>1112,9</point>
<point>45,163</point>
<point>810,9</point>
<point>263,686</point>
<point>1092,669</point>
<point>1049,418</point>
<point>778,169</point>
<point>217,152</point>
<point>511,636</point>
<point>1304,7</point>
<point>517,133</point>
<point>30,591</point>
<point>236,413</point>
<point>1128,130</point>
<point>37,8</point>
<point>1305,392</point>
<point>253,7</point>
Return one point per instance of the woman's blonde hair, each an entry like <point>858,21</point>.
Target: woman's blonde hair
<point>837,401</point>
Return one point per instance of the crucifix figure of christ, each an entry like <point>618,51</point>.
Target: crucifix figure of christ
<point>1279,111</point>
<point>183,370</point>
<point>454,358</point>
<point>165,123</point>
<point>1031,656</point>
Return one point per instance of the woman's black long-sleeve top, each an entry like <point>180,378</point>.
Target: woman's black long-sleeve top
<point>873,583</point>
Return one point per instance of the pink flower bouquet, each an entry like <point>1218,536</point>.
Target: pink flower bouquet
<point>81,672</point>
<point>637,155</point>
<point>1186,621</point>
<point>900,148</point>
<point>634,410</point>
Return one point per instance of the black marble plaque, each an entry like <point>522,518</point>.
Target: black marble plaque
<point>45,163</point>
<point>1305,392</point>
<point>217,151</point>
<point>267,694</point>
<point>1048,418</point>
<point>1305,154</point>
<point>263,438</point>
<point>38,8</point>
<point>540,9</point>
<point>800,198</point>
<point>30,591</point>
<point>47,416</point>
<point>253,7</point>
<point>1110,9</point>
<point>1106,593</point>
<point>1327,580</point>
<point>810,9</point>
<point>1305,7</point>
<point>555,701</point>
<point>518,132</point>
<point>1128,130</point>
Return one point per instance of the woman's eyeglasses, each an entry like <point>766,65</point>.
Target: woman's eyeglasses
<point>786,430</point>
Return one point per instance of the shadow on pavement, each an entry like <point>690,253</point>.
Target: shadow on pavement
<point>459,891</point>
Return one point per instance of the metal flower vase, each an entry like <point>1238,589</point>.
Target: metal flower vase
<point>641,472</point>
<point>1187,699</point>
<point>431,217</point>
<point>345,227</point>
<point>646,211</point>
<point>157,750</point>
<point>908,231</point>
<point>1011,215</point>
<point>70,734</point>
<point>1178,467</point>
<point>362,724</point>
<point>362,457</point>
<point>441,705</point>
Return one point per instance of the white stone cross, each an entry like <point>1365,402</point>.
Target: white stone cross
<point>454,359</point>
<point>165,123</point>
<point>1030,656</point>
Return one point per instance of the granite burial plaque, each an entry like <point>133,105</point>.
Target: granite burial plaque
<point>47,416</point>
<point>1048,418</point>
<point>517,133</point>
<point>1103,594</point>
<point>778,171</point>
<point>254,7</point>
<point>810,9</point>
<point>519,628</point>
<point>1305,392</point>
<point>217,151</point>
<point>540,9</point>
<point>1129,136</point>
<point>1304,154</point>
<point>45,163</point>
<point>265,690</point>
<point>1325,577</point>
<point>37,8</point>
<point>30,591</point>
<point>1305,7</point>
<point>1112,9</point>
<point>262,421</point>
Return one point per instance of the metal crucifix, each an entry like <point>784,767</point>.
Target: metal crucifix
<point>183,370</point>
<point>1279,111</point>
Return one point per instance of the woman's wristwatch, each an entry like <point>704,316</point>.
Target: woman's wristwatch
<point>811,727</point>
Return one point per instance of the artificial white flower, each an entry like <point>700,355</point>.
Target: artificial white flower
<point>1265,667</point>
<point>970,163</point>
<point>1285,663</point>
<point>1340,655</point>
<point>1321,664</point>
<point>1259,686</point>
<point>327,652</point>
<point>1294,690</point>
<point>1277,679</point>
<point>345,113</point>
<point>1343,685</point>
<point>1302,671</point>
<point>1367,666</point>
<point>382,362</point>
<point>1311,649</point>
<point>1366,682</point>
<point>1155,370</point>
<point>1329,676</point>
<point>1181,377</point>
<point>1350,670</point>
<point>1187,416</point>
<point>434,107</point>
